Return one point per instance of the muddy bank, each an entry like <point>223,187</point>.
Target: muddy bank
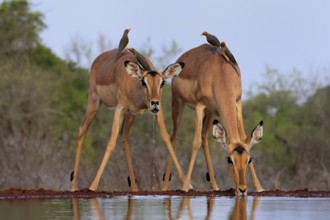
<point>85,193</point>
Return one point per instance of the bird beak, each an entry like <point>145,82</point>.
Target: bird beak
<point>202,34</point>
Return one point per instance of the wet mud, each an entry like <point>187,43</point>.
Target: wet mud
<point>85,193</point>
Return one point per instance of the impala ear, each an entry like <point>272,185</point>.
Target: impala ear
<point>173,70</point>
<point>256,135</point>
<point>219,133</point>
<point>133,69</point>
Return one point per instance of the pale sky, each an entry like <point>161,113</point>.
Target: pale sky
<point>282,34</point>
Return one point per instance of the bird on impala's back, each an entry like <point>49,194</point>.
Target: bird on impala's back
<point>211,39</point>
<point>141,59</point>
<point>229,57</point>
<point>227,54</point>
<point>123,43</point>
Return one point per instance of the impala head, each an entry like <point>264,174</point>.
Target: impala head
<point>238,154</point>
<point>153,81</point>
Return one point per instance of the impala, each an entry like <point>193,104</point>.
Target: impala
<point>210,85</point>
<point>122,85</point>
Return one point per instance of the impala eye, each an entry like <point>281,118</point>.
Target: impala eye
<point>144,84</point>
<point>229,161</point>
<point>250,160</point>
<point>162,84</point>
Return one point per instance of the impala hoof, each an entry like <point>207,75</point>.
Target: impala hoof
<point>74,189</point>
<point>260,190</point>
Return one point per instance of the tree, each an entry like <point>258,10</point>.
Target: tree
<point>20,28</point>
<point>295,140</point>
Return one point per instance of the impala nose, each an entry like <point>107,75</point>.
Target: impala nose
<point>242,191</point>
<point>154,106</point>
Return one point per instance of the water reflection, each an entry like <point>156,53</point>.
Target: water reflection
<point>174,211</point>
<point>163,207</point>
<point>238,212</point>
<point>131,206</point>
<point>95,205</point>
<point>75,207</point>
<point>210,206</point>
<point>184,204</point>
<point>255,205</point>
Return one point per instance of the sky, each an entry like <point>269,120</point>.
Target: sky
<point>280,34</point>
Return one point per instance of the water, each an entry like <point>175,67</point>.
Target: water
<point>165,207</point>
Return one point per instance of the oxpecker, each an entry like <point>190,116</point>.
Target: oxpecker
<point>211,39</point>
<point>141,59</point>
<point>123,41</point>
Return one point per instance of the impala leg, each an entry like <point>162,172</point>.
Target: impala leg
<point>129,120</point>
<point>167,172</point>
<point>167,140</point>
<point>255,180</point>
<point>92,107</point>
<point>206,127</point>
<point>177,108</point>
<point>117,121</point>
<point>199,115</point>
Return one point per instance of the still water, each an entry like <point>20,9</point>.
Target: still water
<point>165,207</point>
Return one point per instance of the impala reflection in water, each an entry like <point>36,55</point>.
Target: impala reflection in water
<point>170,207</point>
<point>167,207</point>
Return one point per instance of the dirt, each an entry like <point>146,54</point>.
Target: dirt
<point>85,193</point>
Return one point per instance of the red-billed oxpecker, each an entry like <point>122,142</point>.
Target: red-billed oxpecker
<point>141,59</point>
<point>211,39</point>
<point>123,43</point>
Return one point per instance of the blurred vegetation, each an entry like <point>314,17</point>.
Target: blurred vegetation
<point>43,100</point>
